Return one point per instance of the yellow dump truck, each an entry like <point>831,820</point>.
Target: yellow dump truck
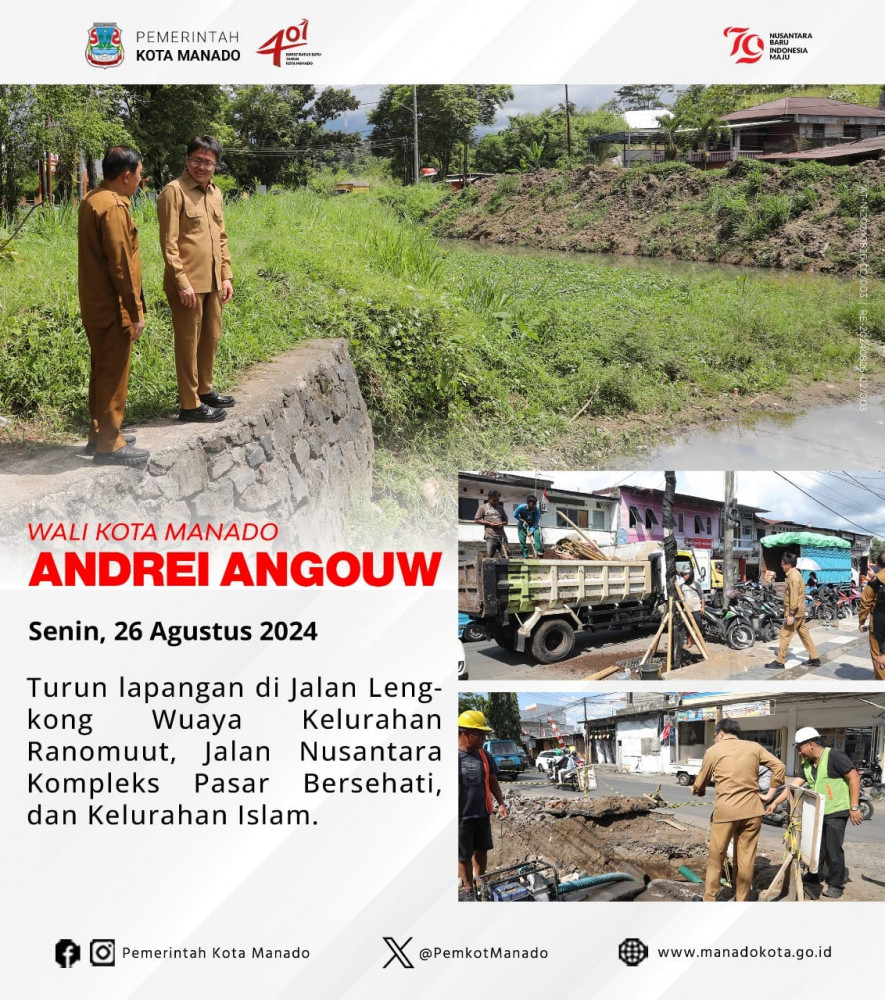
<point>539,604</point>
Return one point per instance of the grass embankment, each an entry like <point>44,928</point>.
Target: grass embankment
<point>465,359</point>
<point>808,216</point>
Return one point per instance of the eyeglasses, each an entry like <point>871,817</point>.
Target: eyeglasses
<point>206,164</point>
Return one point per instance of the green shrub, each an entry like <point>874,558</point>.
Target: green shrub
<point>767,216</point>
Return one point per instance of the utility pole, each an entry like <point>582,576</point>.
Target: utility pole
<point>728,539</point>
<point>674,657</point>
<point>568,124</point>
<point>417,158</point>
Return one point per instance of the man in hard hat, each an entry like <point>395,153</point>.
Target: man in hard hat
<point>794,616</point>
<point>478,790</point>
<point>872,607</point>
<point>492,517</point>
<point>733,764</point>
<point>833,774</point>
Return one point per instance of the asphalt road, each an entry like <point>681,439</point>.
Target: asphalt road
<point>593,651</point>
<point>534,784</point>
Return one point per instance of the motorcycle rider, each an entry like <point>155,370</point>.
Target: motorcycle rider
<point>833,774</point>
<point>569,764</point>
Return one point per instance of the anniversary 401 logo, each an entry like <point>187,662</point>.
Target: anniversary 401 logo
<point>288,46</point>
<point>748,46</point>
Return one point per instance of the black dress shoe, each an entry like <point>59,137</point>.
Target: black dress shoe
<point>815,662</point>
<point>774,665</point>
<point>213,399</point>
<point>202,415</point>
<point>91,447</point>
<point>127,455</point>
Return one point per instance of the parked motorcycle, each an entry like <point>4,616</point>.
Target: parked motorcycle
<point>870,774</point>
<point>732,626</point>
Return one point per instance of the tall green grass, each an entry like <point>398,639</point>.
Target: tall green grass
<point>463,357</point>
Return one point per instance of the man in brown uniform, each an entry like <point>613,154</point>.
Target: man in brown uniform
<point>794,616</point>
<point>733,764</point>
<point>868,600</point>
<point>197,280</point>
<point>111,303</point>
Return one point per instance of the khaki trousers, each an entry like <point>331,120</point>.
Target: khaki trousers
<point>109,352</point>
<point>197,332</point>
<point>745,833</point>
<point>786,637</point>
<point>879,672</point>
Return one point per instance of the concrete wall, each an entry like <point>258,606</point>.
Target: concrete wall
<point>297,449</point>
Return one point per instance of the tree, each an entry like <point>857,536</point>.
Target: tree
<point>81,120</point>
<point>19,143</point>
<point>535,140</point>
<point>472,701</point>
<point>639,96</point>
<point>448,116</point>
<point>876,547</point>
<point>163,118</point>
<point>503,715</point>
<point>279,130</point>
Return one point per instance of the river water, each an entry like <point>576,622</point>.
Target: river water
<point>846,435</point>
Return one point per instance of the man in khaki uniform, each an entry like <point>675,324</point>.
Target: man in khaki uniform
<point>111,303</point>
<point>794,616</point>
<point>868,600</point>
<point>733,764</point>
<point>198,277</point>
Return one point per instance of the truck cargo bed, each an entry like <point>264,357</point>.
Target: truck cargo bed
<point>491,587</point>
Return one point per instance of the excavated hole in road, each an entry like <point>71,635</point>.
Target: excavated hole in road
<point>596,836</point>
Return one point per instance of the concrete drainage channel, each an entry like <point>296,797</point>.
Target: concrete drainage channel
<point>608,849</point>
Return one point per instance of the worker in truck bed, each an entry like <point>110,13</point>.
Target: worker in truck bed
<point>492,516</point>
<point>528,519</point>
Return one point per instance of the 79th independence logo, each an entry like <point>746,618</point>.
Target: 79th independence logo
<point>104,48</point>
<point>747,46</point>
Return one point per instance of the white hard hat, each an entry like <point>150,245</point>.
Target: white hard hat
<point>804,734</point>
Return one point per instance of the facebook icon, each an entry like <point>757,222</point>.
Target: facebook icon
<point>67,953</point>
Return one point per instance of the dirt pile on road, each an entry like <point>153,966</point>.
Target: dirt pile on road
<point>596,836</point>
<point>806,216</point>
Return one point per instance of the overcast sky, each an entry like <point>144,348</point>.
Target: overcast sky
<point>526,98</point>
<point>856,496</point>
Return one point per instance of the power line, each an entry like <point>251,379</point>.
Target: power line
<point>842,517</point>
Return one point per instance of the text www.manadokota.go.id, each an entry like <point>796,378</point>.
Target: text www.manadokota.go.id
<point>747,951</point>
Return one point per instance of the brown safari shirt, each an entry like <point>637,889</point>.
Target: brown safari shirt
<point>108,264</point>
<point>868,600</point>
<point>192,235</point>
<point>734,765</point>
<point>794,594</point>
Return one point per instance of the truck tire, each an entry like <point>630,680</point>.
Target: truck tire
<point>683,779</point>
<point>553,641</point>
<point>504,637</point>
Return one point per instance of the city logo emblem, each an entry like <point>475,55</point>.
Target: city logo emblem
<point>105,46</point>
<point>747,46</point>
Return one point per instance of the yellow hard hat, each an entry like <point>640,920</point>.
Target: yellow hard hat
<point>473,720</point>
